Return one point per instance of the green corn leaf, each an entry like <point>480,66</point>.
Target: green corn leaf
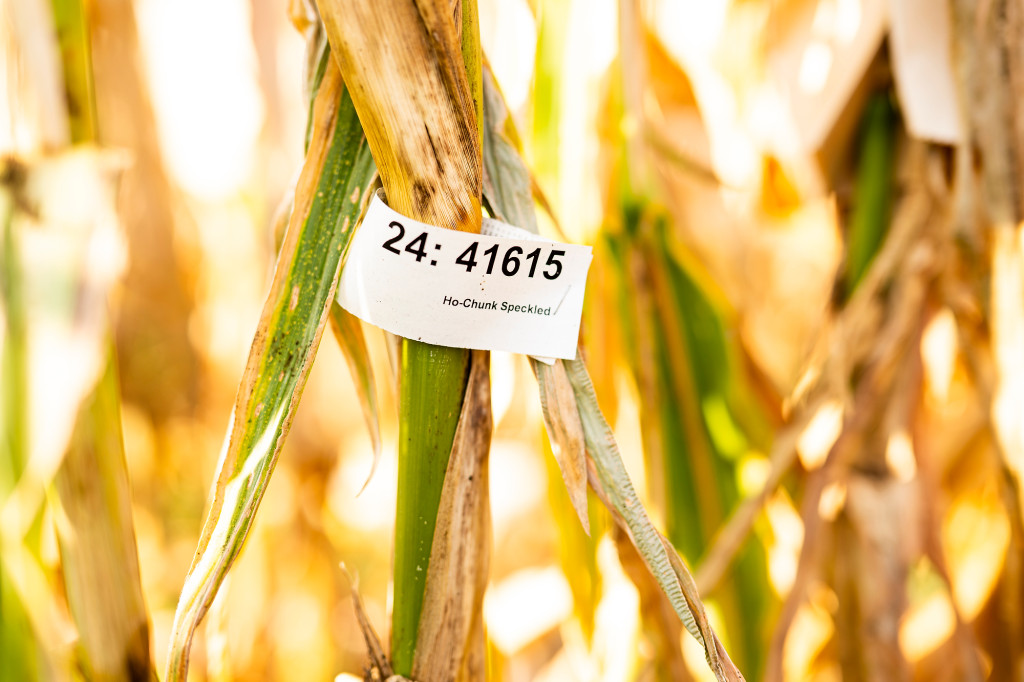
<point>869,219</point>
<point>348,331</point>
<point>432,382</point>
<point>330,190</point>
<point>450,642</point>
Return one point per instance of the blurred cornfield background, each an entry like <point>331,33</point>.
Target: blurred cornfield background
<point>804,320</point>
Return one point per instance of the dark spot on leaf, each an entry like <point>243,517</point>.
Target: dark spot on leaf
<point>422,192</point>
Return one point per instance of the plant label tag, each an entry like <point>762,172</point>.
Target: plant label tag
<point>504,289</point>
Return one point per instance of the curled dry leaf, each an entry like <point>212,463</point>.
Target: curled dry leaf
<point>507,181</point>
<point>610,480</point>
<point>562,419</point>
<point>508,188</point>
<point>451,636</point>
<point>611,483</point>
<point>380,667</point>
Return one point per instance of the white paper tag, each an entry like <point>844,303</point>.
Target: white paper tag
<point>449,288</point>
<point>921,55</point>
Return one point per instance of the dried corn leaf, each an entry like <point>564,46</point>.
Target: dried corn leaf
<point>617,491</point>
<point>450,634</point>
<point>661,559</point>
<point>508,190</point>
<point>95,533</point>
<point>508,186</point>
<point>414,103</point>
<point>327,201</point>
<point>348,331</point>
<point>562,419</point>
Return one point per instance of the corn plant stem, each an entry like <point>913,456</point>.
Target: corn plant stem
<point>430,400</point>
<point>433,384</point>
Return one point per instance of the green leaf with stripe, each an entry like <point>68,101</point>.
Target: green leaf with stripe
<point>331,188</point>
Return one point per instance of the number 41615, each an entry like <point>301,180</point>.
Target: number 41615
<point>512,260</point>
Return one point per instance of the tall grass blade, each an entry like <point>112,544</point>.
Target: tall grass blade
<point>330,190</point>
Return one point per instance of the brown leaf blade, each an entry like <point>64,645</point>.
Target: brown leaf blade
<point>562,419</point>
<point>348,332</point>
<point>425,146</point>
<point>97,542</point>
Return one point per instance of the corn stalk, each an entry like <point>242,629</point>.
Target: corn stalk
<point>407,67</point>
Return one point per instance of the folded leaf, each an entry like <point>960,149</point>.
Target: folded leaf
<point>348,331</point>
<point>661,559</point>
<point>562,419</point>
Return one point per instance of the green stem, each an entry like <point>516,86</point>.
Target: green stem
<point>432,387</point>
<point>433,384</point>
